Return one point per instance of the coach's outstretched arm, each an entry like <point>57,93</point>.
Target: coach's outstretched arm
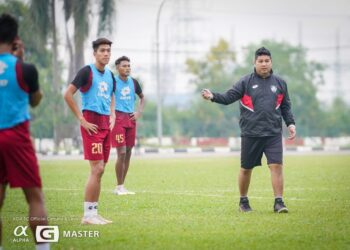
<point>232,95</point>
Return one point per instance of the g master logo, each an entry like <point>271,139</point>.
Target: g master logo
<point>47,234</point>
<point>273,88</point>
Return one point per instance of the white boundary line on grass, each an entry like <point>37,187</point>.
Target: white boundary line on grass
<point>194,193</point>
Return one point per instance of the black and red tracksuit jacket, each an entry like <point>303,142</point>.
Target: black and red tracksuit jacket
<point>263,103</point>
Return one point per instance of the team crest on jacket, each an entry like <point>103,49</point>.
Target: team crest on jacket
<point>273,88</point>
<point>255,86</point>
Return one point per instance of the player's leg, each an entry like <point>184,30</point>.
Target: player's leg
<point>127,161</point>
<point>37,212</point>
<point>120,164</point>
<point>130,137</point>
<point>92,193</point>
<point>274,154</point>
<point>2,198</point>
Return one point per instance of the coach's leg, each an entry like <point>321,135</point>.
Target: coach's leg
<point>93,185</point>
<point>120,165</point>
<point>244,181</point>
<point>37,211</point>
<point>2,198</point>
<point>277,179</point>
<point>127,161</point>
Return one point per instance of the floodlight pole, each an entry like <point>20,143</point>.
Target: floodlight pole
<point>159,97</point>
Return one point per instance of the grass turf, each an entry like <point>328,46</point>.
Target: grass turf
<point>192,203</point>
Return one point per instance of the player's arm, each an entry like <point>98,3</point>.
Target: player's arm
<point>141,104</point>
<point>81,80</point>
<point>112,116</point>
<point>30,78</point>
<point>68,97</point>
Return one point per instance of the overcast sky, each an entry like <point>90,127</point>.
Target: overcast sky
<point>195,25</point>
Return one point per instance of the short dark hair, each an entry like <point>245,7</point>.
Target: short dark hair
<point>262,52</point>
<point>100,41</point>
<point>8,28</point>
<point>120,59</point>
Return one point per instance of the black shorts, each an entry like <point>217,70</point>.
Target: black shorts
<point>252,149</point>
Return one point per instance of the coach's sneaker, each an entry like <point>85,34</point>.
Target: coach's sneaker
<point>244,205</point>
<point>103,219</point>
<point>92,220</point>
<point>279,206</point>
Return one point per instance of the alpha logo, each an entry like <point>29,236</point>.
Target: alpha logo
<point>273,88</point>
<point>3,66</point>
<point>255,86</point>
<point>20,231</point>
<point>47,234</point>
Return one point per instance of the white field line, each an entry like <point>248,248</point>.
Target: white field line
<point>219,193</point>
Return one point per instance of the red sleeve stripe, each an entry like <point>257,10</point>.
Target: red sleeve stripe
<point>247,102</point>
<point>86,87</point>
<point>20,79</point>
<point>279,100</point>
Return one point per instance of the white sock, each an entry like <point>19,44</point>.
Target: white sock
<point>88,209</point>
<point>120,187</point>
<point>42,246</point>
<point>95,207</point>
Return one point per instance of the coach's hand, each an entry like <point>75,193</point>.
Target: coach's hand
<point>292,132</point>
<point>111,121</point>
<point>206,94</point>
<point>89,127</point>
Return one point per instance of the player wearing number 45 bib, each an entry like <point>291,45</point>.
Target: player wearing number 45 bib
<point>124,131</point>
<point>96,84</point>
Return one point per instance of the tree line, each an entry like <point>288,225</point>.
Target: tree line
<point>217,70</point>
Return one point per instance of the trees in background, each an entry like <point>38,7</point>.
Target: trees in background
<point>39,32</point>
<point>219,70</point>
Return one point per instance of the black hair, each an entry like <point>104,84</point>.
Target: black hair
<point>100,41</point>
<point>120,59</point>
<point>8,28</point>
<point>262,52</point>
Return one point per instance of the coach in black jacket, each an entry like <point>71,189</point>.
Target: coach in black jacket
<point>264,101</point>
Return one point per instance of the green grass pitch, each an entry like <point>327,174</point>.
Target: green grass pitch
<point>192,203</point>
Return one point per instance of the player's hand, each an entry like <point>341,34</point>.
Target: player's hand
<point>206,94</point>
<point>111,121</point>
<point>136,115</point>
<point>18,49</point>
<point>89,127</point>
<point>292,131</point>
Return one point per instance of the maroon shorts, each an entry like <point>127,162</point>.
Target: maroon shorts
<point>18,163</point>
<point>124,131</point>
<point>96,146</point>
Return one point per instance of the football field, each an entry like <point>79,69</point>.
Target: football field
<point>192,203</point>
